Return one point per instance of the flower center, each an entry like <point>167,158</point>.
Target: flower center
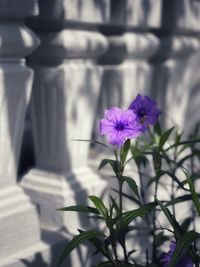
<point>119,126</point>
<point>141,113</point>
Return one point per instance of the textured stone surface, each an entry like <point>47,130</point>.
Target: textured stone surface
<point>59,106</point>
<point>16,40</point>
<point>56,47</point>
<point>10,9</point>
<point>126,71</point>
<point>50,191</point>
<point>143,13</point>
<point>172,77</point>
<point>75,10</point>
<point>129,46</point>
<point>18,217</point>
<point>175,46</point>
<point>193,100</point>
<point>14,101</point>
<point>184,14</point>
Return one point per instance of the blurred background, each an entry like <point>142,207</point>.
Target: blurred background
<point>62,63</point>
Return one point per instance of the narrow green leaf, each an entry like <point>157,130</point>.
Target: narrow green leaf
<point>100,245</point>
<point>186,223</point>
<point>113,163</point>
<point>157,161</point>
<point>124,151</point>
<point>179,200</point>
<point>135,150</point>
<point>183,246</point>
<point>193,192</point>
<point>164,137</point>
<point>129,216</point>
<point>76,241</point>
<point>132,184</point>
<point>132,198</point>
<point>160,238</point>
<point>177,228</point>
<point>157,128</point>
<point>186,142</point>
<point>115,205</point>
<point>80,208</point>
<point>173,176</point>
<point>100,206</point>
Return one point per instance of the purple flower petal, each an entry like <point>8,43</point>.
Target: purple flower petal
<point>185,261</point>
<point>146,110</point>
<point>118,125</point>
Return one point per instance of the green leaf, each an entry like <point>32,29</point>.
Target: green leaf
<point>80,208</point>
<point>177,228</point>
<point>164,137</point>
<point>183,246</point>
<point>135,150</point>
<point>100,206</point>
<point>113,163</point>
<point>193,192</point>
<point>173,176</point>
<point>132,198</point>
<point>124,151</point>
<point>132,184</point>
<point>187,142</point>
<point>115,205</point>
<point>99,244</point>
<point>186,223</point>
<point>160,239</point>
<point>157,128</point>
<point>76,241</point>
<point>129,216</point>
<point>179,200</point>
<point>156,159</point>
<point>141,160</point>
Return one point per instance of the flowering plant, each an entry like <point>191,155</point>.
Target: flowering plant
<point>136,131</point>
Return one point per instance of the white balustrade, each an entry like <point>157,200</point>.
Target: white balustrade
<point>19,222</point>
<point>65,93</point>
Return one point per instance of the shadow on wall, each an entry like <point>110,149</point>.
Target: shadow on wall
<point>192,112</point>
<point>37,261</point>
<point>14,94</point>
<point>50,101</point>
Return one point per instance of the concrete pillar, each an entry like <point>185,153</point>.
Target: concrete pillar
<point>19,223</point>
<point>65,93</point>
<point>173,77</point>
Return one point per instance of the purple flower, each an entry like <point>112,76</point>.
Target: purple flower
<point>119,125</point>
<point>146,110</point>
<point>185,260</point>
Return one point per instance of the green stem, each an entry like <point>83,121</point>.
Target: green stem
<point>120,181</point>
<point>120,198</point>
<point>154,225</point>
<point>143,200</point>
<point>123,239</point>
<point>172,198</point>
<point>117,264</point>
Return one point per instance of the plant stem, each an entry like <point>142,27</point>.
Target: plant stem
<point>154,223</point>
<point>123,240</point>
<point>120,181</point>
<point>116,257</point>
<point>143,200</point>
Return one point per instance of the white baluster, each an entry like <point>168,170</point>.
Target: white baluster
<point>19,223</point>
<point>65,93</point>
